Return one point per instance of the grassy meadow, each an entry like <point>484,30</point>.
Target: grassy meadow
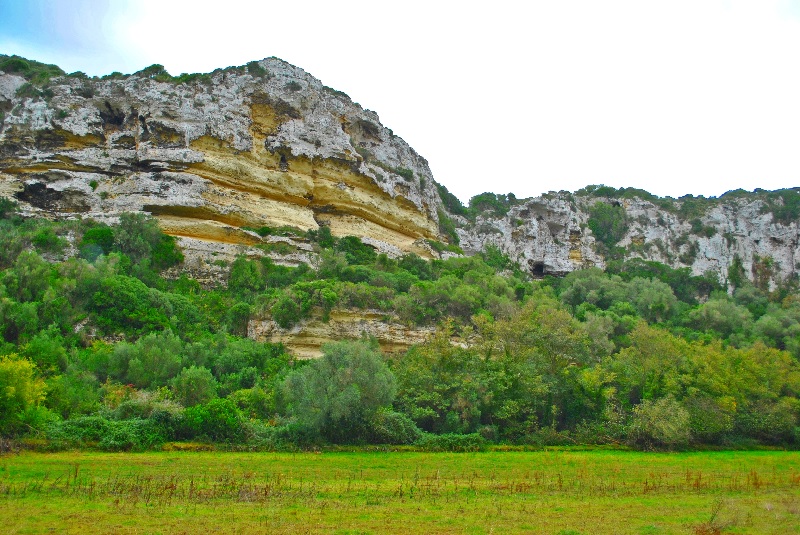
<point>554,492</point>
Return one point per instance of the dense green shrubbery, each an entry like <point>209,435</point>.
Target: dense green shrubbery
<point>450,201</point>
<point>452,442</point>
<point>101,351</point>
<point>35,72</point>
<point>784,205</point>
<point>609,223</point>
<point>491,204</point>
<point>338,396</point>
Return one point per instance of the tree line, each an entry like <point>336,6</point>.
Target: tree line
<point>101,350</point>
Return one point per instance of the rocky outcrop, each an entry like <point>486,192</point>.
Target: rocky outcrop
<point>551,235</point>
<point>265,145</point>
<point>304,339</point>
<point>216,156</point>
<point>544,235</point>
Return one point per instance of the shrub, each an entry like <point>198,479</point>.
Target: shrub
<point>108,435</point>
<point>661,423</point>
<point>390,427</point>
<point>338,395</point>
<point>609,222</point>
<point>78,431</point>
<point>7,207</point>
<point>490,204</point>
<point>139,237</point>
<point>287,310</point>
<point>450,201</point>
<point>151,362</point>
<point>356,251</point>
<point>254,402</point>
<point>126,303</point>
<point>194,385</point>
<point>452,442</point>
<point>496,258</point>
<point>135,434</point>
<point>20,389</point>
<point>165,253</point>
<point>153,71</point>
<point>96,241</point>
<point>407,174</point>
<point>254,68</point>
<point>771,422</point>
<point>447,227</point>
<point>47,240</point>
<point>784,205</point>
<point>35,72</point>
<point>710,420</point>
<point>218,420</point>
<point>322,236</point>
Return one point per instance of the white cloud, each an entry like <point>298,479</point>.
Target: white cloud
<point>673,97</point>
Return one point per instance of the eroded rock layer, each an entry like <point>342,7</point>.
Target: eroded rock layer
<point>552,234</point>
<point>305,339</point>
<point>266,145</point>
<point>216,156</point>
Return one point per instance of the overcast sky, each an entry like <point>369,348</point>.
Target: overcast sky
<point>673,97</point>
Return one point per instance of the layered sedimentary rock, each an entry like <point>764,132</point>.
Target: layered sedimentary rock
<point>305,339</point>
<point>267,145</point>
<point>551,235</point>
<point>215,157</point>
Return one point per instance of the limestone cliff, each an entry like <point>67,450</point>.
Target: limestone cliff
<point>217,155</point>
<point>552,234</point>
<point>305,338</point>
<point>262,145</point>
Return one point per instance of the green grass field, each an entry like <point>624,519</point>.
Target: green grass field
<point>554,492</point>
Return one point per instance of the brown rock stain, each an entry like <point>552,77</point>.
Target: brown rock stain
<point>305,339</point>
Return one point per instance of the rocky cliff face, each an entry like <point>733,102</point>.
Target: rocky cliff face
<point>215,156</point>
<point>305,339</point>
<point>552,234</point>
<point>263,145</point>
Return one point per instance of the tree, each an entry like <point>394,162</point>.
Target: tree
<point>440,385</point>
<point>194,385</point>
<point>21,389</point>
<point>127,303</point>
<point>73,393</point>
<point>655,365</point>
<point>136,235</point>
<point>609,222</point>
<point>660,423</point>
<point>28,280</point>
<point>592,286</point>
<point>723,316</point>
<point>237,318</point>
<point>152,361</point>
<point>218,420</point>
<point>338,395</point>
<point>653,299</point>
<point>46,349</point>
<point>245,277</point>
<point>540,348</point>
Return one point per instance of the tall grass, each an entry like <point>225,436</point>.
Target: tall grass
<point>536,492</point>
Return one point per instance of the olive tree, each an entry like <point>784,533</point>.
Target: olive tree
<point>338,395</point>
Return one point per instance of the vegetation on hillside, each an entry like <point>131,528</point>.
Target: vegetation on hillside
<point>100,350</point>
